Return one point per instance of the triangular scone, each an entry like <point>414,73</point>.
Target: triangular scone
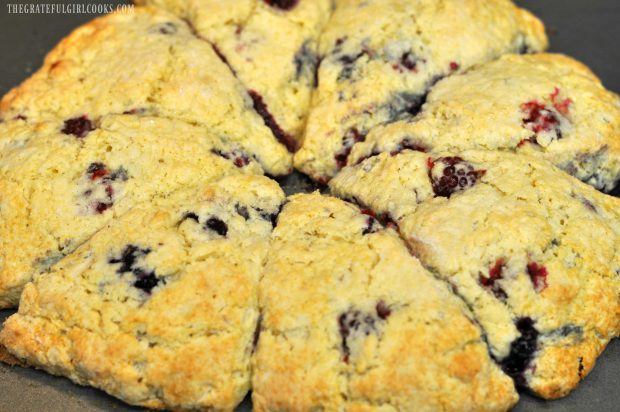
<point>159,308</point>
<point>57,190</point>
<point>547,105</point>
<point>270,45</point>
<point>533,251</point>
<point>351,321</point>
<point>382,56</point>
<point>146,62</point>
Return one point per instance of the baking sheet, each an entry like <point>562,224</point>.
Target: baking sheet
<point>588,30</point>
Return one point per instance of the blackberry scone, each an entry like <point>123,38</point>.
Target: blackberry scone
<point>351,321</point>
<point>159,308</point>
<point>144,63</point>
<point>533,251</point>
<point>270,45</point>
<point>380,58</point>
<point>544,104</point>
<point>59,189</point>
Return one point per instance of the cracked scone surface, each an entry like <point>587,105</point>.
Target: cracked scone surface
<point>381,57</point>
<point>547,105</point>
<point>144,63</point>
<point>59,189</point>
<point>533,251</point>
<point>351,321</point>
<point>271,46</point>
<point>160,308</point>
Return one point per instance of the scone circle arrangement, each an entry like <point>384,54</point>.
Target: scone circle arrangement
<point>461,248</point>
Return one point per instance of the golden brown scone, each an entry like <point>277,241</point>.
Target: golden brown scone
<point>146,62</point>
<point>351,321</point>
<point>533,251</point>
<point>57,190</point>
<point>380,57</point>
<point>159,308</point>
<point>546,105</point>
<point>271,46</point>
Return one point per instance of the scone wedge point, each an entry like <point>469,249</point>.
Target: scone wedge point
<point>352,321</point>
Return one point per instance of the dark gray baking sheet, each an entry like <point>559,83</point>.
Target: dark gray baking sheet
<point>586,29</point>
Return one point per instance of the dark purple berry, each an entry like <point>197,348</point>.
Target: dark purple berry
<point>242,211</point>
<point>371,226</point>
<point>217,225</point>
<point>452,174</point>
<point>238,158</point>
<point>282,4</point>
<point>168,28</point>
<point>383,311</point>
<point>306,62</point>
<point>256,336</point>
<point>351,137</point>
<point>190,216</point>
<point>409,61</point>
<point>145,281</point>
<point>128,258</point>
<point>356,324</point>
<point>97,170</point>
<point>261,108</point>
<point>78,126</point>
<point>522,351</point>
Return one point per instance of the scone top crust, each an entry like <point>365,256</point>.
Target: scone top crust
<point>532,250</point>
<point>143,63</point>
<point>543,104</point>
<point>381,57</point>
<point>351,320</point>
<point>271,46</point>
<point>159,309</point>
<point>59,189</point>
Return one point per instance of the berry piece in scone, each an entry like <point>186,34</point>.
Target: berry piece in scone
<point>551,106</point>
<point>144,63</point>
<point>154,309</point>
<point>58,190</point>
<point>533,251</point>
<point>351,320</point>
<point>381,57</point>
<point>272,48</point>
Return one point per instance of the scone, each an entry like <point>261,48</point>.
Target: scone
<point>534,252</point>
<point>544,104</point>
<point>58,189</point>
<point>380,57</point>
<point>351,321</point>
<point>159,308</point>
<point>146,62</point>
<point>271,46</point>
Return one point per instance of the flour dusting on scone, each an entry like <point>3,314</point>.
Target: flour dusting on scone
<point>59,189</point>
<point>159,308</point>
<point>547,105</point>
<point>147,62</point>
<point>271,46</point>
<point>351,320</point>
<point>533,251</point>
<point>380,58</point>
